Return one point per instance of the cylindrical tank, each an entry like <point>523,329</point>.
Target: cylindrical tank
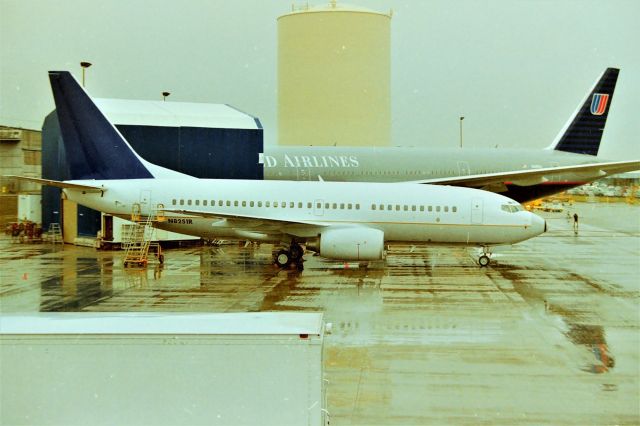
<point>334,77</point>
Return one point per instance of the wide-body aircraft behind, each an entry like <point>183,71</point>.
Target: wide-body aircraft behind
<point>347,221</point>
<point>522,174</point>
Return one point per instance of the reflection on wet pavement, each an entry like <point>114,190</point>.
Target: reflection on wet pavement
<point>548,334</point>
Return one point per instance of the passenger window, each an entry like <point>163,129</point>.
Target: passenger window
<point>413,208</point>
<point>342,206</point>
<point>446,209</point>
<point>318,205</point>
<point>349,206</point>
<point>181,202</point>
<point>197,202</point>
<point>357,206</point>
<point>283,204</point>
<point>389,207</point>
<point>204,202</point>
<point>326,206</point>
<point>381,206</point>
<point>292,204</point>
<point>454,209</point>
<point>235,203</point>
<point>309,204</point>
<point>335,206</point>
<point>373,206</point>
<point>397,207</point>
<point>189,202</point>
<point>267,204</point>
<point>174,202</point>
<point>430,208</point>
<point>259,203</point>
<point>275,204</point>
<point>406,208</point>
<point>251,204</point>
<point>220,203</point>
<point>228,203</point>
<point>244,204</point>
<point>437,208</point>
<point>299,205</point>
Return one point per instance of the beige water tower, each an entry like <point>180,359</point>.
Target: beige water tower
<point>334,76</point>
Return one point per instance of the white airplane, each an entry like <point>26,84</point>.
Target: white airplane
<point>346,221</point>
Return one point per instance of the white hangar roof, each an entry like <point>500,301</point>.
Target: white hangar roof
<point>175,114</point>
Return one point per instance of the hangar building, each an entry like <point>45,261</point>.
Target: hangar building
<point>202,140</point>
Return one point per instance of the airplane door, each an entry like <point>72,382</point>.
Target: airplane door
<point>304,174</point>
<point>107,227</point>
<point>463,168</point>
<point>145,199</point>
<point>318,207</point>
<point>476,210</point>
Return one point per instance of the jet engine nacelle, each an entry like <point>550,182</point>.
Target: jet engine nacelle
<point>350,244</point>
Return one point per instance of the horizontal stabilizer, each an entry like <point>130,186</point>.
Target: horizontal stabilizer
<point>59,183</point>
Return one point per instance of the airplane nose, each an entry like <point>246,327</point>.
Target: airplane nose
<point>538,224</point>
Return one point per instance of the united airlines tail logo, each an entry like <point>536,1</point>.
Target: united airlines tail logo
<point>599,103</point>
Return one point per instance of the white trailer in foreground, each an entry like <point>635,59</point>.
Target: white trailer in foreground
<point>162,369</point>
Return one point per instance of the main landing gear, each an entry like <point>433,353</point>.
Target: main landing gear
<point>285,256</point>
<point>485,257</point>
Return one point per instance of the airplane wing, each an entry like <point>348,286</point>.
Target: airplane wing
<point>529,177</point>
<point>266,225</point>
<point>58,183</point>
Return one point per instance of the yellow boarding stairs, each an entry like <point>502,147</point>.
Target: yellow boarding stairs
<point>140,236</point>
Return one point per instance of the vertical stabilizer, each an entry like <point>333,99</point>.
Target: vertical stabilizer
<point>583,132</point>
<point>94,147</point>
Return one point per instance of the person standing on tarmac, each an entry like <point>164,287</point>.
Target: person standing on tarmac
<point>575,223</point>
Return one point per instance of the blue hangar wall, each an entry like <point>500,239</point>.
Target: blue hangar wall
<point>212,153</point>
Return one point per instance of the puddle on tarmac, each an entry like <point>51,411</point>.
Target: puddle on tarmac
<point>591,337</point>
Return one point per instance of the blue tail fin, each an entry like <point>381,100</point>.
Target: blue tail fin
<point>583,133</point>
<point>94,147</point>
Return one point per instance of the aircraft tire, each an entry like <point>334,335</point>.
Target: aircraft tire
<point>484,260</point>
<point>283,258</point>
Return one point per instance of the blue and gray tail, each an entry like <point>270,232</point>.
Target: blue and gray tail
<point>583,132</point>
<point>94,147</point>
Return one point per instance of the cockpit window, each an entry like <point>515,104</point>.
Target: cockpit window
<point>511,208</point>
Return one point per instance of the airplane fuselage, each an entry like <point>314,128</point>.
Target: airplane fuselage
<point>397,164</point>
<point>403,212</point>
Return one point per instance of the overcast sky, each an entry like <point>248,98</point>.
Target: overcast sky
<point>515,69</point>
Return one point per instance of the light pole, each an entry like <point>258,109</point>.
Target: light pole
<point>84,66</point>
<point>461,118</point>
<point>164,95</point>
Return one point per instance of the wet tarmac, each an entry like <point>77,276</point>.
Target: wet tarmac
<point>549,334</point>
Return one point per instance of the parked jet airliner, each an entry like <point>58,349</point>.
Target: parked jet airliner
<point>348,221</point>
<point>522,174</point>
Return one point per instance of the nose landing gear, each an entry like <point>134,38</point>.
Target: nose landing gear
<point>485,257</point>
